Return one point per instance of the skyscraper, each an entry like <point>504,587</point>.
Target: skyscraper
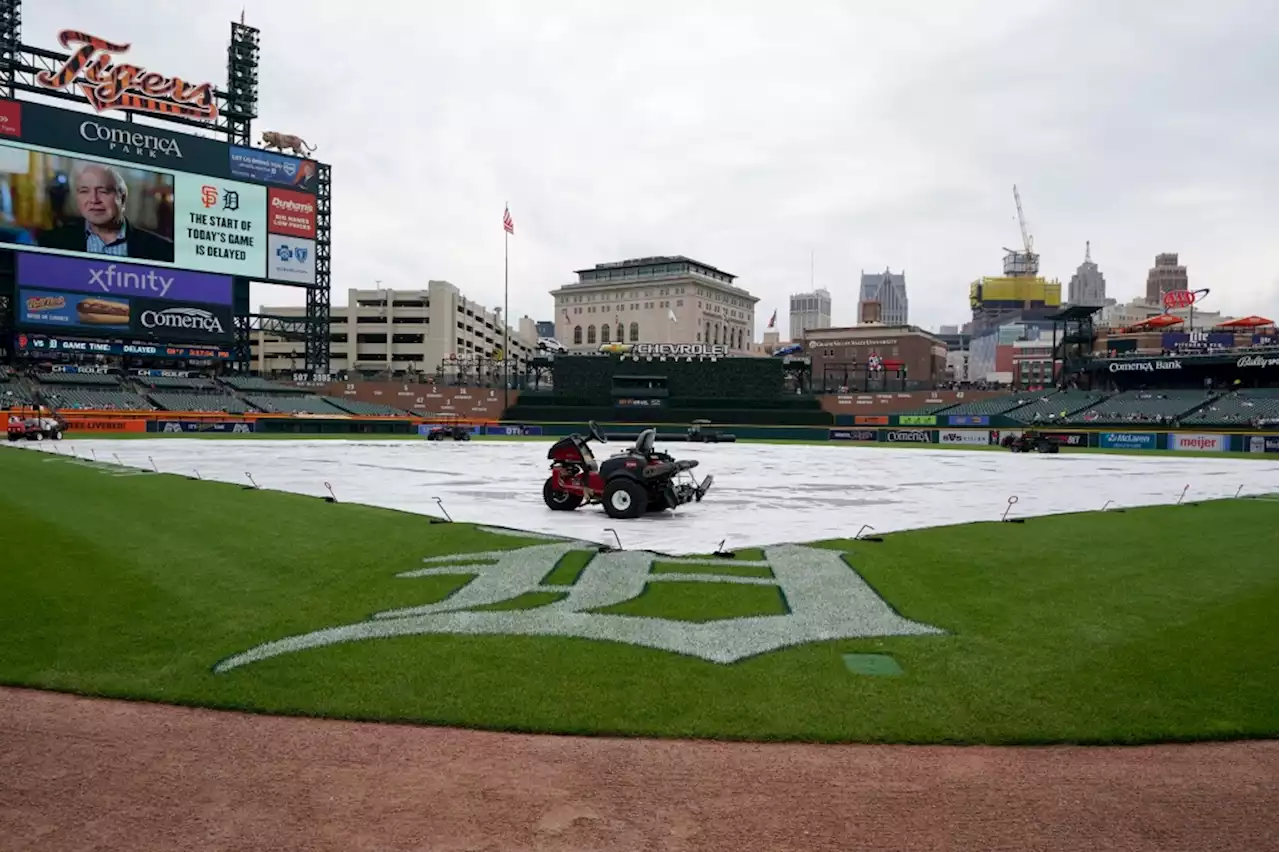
<point>1166,275</point>
<point>890,291</point>
<point>1088,286</point>
<point>809,310</point>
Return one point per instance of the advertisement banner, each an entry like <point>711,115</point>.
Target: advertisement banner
<point>1196,341</point>
<point>96,424</point>
<point>1264,443</point>
<point>852,435</point>
<point>1067,439</point>
<point>968,420</point>
<point>1128,441</point>
<point>221,225</point>
<point>181,322</point>
<point>180,426</point>
<point>908,436</point>
<point>86,133</point>
<point>10,118</point>
<point>292,214</point>
<point>291,259</point>
<point>1260,338</point>
<point>269,167</point>
<point>35,343</point>
<point>102,277</point>
<point>917,420</point>
<point>870,420</point>
<point>1199,443</point>
<point>968,437</point>
<point>1267,362</point>
<point>74,311</point>
<point>513,431</point>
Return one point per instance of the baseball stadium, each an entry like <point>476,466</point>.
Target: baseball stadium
<point>642,596</point>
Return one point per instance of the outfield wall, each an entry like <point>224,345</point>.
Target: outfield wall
<point>976,431</point>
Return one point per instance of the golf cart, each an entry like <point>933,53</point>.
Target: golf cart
<point>450,429</point>
<point>628,484</point>
<point>1028,441</point>
<point>699,434</point>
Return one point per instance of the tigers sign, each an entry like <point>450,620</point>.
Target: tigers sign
<point>108,85</point>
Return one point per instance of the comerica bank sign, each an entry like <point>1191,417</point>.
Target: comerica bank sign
<point>1143,366</point>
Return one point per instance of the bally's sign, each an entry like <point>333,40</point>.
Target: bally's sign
<point>1258,361</point>
<point>1143,366</point>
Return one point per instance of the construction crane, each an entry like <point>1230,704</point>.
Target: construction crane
<point>1025,263</point>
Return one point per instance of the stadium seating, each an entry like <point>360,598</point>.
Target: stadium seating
<point>197,383</point>
<point>205,402</point>
<point>372,409</point>
<point>1146,406</point>
<point>76,398</point>
<point>1252,407</point>
<point>79,379</point>
<point>285,404</point>
<point>1058,406</point>
<point>257,385</point>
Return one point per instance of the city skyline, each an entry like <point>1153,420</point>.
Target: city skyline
<point>606,147</point>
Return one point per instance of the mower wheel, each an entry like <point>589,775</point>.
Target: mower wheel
<point>558,500</point>
<point>625,498</point>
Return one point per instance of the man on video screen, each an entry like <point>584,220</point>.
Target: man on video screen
<point>101,195</point>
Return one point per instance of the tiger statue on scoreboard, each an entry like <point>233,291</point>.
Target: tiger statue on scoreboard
<point>285,142</point>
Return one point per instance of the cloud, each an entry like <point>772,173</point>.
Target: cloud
<point>872,135</point>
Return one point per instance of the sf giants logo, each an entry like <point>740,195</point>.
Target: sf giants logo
<point>107,85</point>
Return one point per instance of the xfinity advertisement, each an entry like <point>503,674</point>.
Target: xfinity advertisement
<point>107,279</point>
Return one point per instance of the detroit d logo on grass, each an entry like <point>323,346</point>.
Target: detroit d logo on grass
<point>826,599</point>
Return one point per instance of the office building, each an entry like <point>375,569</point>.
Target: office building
<point>1166,275</point>
<point>397,332</point>
<point>1088,286</point>
<point>809,310</point>
<point>889,291</point>
<point>654,300</point>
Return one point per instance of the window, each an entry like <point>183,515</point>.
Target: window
<point>621,336</point>
<point>604,333</point>
<point>577,334</point>
<point>708,327</point>
<point>635,332</point>
<point>591,334</point>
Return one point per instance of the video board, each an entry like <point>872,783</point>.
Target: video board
<point>80,185</point>
<point>37,343</point>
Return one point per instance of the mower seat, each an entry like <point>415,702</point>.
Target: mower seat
<point>644,443</point>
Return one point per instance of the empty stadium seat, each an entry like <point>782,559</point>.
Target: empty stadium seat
<point>257,384</point>
<point>1057,406</point>
<point>77,398</point>
<point>1146,406</point>
<point>283,404</point>
<point>1249,407</point>
<point>372,409</point>
<point>205,402</point>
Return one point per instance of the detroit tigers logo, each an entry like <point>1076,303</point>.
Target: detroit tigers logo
<point>826,599</point>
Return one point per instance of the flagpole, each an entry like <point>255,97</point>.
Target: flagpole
<point>506,315</point>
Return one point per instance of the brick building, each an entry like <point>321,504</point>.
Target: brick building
<point>833,351</point>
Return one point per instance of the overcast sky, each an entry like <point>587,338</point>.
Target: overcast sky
<point>750,134</point>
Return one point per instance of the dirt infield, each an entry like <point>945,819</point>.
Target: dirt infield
<point>81,774</point>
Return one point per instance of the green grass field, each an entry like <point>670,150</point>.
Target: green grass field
<point>1144,625</point>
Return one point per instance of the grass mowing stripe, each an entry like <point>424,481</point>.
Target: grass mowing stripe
<point>1151,624</point>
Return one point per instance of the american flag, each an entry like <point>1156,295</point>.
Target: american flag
<point>773,320</point>
<point>508,224</point>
